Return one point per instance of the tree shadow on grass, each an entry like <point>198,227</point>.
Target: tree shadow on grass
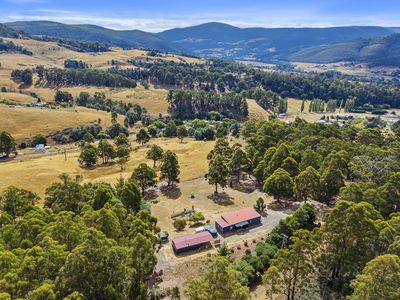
<point>87,168</point>
<point>151,195</point>
<point>171,192</point>
<point>24,86</point>
<point>244,186</point>
<point>284,205</point>
<point>221,198</point>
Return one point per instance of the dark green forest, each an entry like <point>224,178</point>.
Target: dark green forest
<point>355,172</point>
<point>88,242</point>
<point>10,47</point>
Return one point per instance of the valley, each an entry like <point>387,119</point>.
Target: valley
<point>116,145</point>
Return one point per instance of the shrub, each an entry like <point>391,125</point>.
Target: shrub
<point>196,217</point>
<point>179,224</point>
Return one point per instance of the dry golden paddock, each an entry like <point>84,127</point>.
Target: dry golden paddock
<point>36,171</point>
<point>25,122</point>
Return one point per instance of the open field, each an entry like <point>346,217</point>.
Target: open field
<point>256,111</point>
<point>25,122</point>
<point>294,110</point>
<point>50,54</point>
<point>294,106</point>
<point>38,173</point>
<point>154,100</point>
<point>347,68</point>
<point>16,97</point>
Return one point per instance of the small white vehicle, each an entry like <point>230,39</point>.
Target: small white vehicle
<point>200,229</point>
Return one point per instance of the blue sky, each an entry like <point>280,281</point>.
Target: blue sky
<point>157,15</point>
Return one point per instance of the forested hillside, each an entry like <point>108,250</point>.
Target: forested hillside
<point>111,157</point>
<point>89,242</point>
<point>124,39</point>
<point>10,47</point>
<point>355,172</point>
<point>263,44</point>
<point>6,31</point>
<point>219,40</point>
<point>222,76</point>
<point>383,51</point>
<point>199,150</point>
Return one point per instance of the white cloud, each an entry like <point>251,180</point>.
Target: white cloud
<point>146,24</point>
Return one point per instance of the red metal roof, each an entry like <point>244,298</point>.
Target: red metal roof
<point>235,217</point>
<point>222,223</point>
<point>194,239</point>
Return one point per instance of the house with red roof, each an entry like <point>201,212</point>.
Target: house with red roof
<point>240,219</point>
<point>191,242</point>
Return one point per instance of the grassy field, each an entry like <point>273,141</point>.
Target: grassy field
<point>25,122</point>
<point>154,100</point>
<point>348,69</point>
<point>294,106</point>
<point>37,173</point>
<point>49,54</point>
<point>16,97</point>
<point>256,111</point>
<point>294,110</point>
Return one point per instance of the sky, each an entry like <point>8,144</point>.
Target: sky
<point>158,15</point>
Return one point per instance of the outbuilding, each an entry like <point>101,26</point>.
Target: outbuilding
<point>191,242</point>
<point>235,220</point>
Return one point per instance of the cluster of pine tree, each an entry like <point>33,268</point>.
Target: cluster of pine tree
<point>316,105</point>
<point>214,75</point>
<point>326,87</point>
<point>265,98</point>
<point>24,76</point>
<point>75,64</point>
<point>66,77</point>
<point>6,46</point>
<point>186,104</point>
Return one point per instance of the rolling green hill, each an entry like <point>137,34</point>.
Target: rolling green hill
<point>8,32</point>
<point>121,38</point>
<point>380,51</point>
<point>369,44</point>
<point>261,44</point>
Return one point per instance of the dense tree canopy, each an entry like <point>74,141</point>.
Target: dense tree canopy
<point>218,283</point>
<point>78,76</point>
<point>170,168</point>
<point>7,144</point>
<point>69,250</point>
<point>186,104</point>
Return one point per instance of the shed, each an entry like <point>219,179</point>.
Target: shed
<point>240,219</point>
<point>191,242</point>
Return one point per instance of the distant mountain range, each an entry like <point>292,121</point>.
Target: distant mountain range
<point>265,44</point>
<point>379,51</point>
<point>369,44</point>
<point>120,38</point>
<point>9,32</point>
